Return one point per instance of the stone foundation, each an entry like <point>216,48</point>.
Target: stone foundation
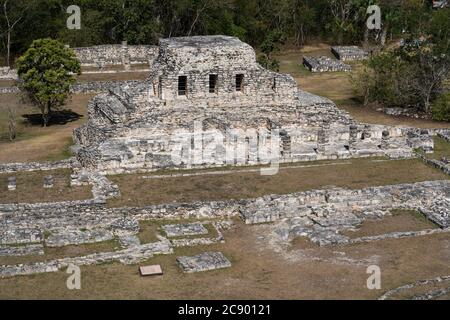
<point>324,64</point>
<point>349,53</point>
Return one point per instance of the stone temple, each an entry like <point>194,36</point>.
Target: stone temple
<point>207,95</point>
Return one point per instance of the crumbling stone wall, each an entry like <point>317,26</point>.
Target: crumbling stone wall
<point>115,54</point>
<point>6,73</point>
<point>174,119</point>
<point>324,64</point>
<point>38,166</point>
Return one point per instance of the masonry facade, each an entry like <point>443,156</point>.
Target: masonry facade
<point>206,96</point>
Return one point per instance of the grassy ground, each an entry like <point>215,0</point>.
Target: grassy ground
<point>399,221</point>
<point>357,173</point>
<point>441,149</point>
<point>64,252</point>
<point>35,143</point>
<point>257,272</point>
<point>7,83</point>
<point>30,188</point>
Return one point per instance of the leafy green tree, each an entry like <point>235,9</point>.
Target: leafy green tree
<point>441,108</point>
<point>268,48</point>
<point>47,70</point>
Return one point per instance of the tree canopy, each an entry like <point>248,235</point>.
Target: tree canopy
<point>47,70</point>
<point>144,21</point>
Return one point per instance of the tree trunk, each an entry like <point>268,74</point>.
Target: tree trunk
<point>8,48</point>
<point>383,37</point>
<point>46,113</point>
<point>302,35</point>
<point>366,38</point>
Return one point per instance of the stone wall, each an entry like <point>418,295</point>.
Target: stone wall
<point>38,166</point>
<point>431,198</point>
<point>6,73</point>
<point>100,86</point>
<point>349,53</point>
<point>91,221</point>
<point>324,64</point>
<point>150,125</point>
<point>115,54</point>
<point>84,87</point>
<point>9,90</point>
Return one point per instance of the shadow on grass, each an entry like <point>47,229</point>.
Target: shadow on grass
<point>60,117</point>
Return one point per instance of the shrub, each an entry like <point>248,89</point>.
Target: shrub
<point>441,108</point>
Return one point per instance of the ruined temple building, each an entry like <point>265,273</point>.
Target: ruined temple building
<point>207,95</point>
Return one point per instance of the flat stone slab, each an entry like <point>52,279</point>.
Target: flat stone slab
<point>12,183</point>
<point>203,262</point>
<point>154,270</point>
<point>129,241</point>
<point>349,53</point>
<point>183,230</point>
<point>324,64</point>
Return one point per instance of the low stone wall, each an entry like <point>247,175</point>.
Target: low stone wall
<point>130,255</point>
<point>441,165</point>
<point>318,204</point>
<point>324,64</point>
<point>84,87</point>
<point>349,53</point>
<point>444,134</point>
<point>6,73</point>
<point>38,166</point>
<point>9,90</point>
<point>115,54</point>
<point>405,112</point>
<point>100,86</point>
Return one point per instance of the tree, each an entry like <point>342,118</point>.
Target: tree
<point>47,70</point>
<point>11,22</point>
<point>268,47</point>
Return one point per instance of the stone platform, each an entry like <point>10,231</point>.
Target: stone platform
<point>203,262</point>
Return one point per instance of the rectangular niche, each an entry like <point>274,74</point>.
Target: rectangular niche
<point>182,85</point>
<point>239,82</point>
<point>213,78</point>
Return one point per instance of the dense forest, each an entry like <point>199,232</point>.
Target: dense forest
<point>258,22</point>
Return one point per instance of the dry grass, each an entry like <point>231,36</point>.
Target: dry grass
<point>399,221</point>
<point>35,143</point>
<point>7,83</point>
<point>148,231</point>
<point>64,252</point>
<point>257,272</point>
<point>441,149</point>
<point>358,173</point>
<point>30,188</point>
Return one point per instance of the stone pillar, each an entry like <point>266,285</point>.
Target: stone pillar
<point>12,183</point>
<point>323,137</point>
<point>353,136</point>
<point>125,56</point>
<point>101,63</point>
<point>366,134</point>
<point>48,182</point>
<point>126,62</point>
<point>385,139</point>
